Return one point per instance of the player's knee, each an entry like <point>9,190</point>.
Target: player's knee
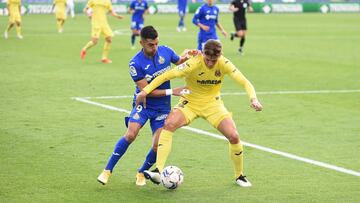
<point>170,125</point>
<point>234,138</point>
<point>108,40</point>
<point>130,136</point>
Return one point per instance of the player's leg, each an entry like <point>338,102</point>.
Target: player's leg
<point>181,24</point>
<point>10,25</point>
<point>242,33</point>
<point>106,49</point>
<point>18,29</point>
<point>228,129</point>
<point>95,34</point>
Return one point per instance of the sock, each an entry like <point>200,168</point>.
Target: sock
<point>181,22</point>
<point>88,45</point>
<point>237,156</point>
<point>164,148</point>
<point>9,27</point>
<point>106,50</point>
<point>18,30</point>
<point>235,34</point>
<point>149,161</point>
<point>58,23</point>
<point>242,41</point>
<point>120,149</point>
<point>133,39</point>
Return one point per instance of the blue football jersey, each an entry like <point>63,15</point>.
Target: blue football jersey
<point>207,15</point>
<point>139,7</point>
<point>142,67</point>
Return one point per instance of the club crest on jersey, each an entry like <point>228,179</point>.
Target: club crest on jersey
<point>217,73</point>
<point>161,60</point>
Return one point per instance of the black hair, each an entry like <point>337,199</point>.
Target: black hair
<point>148,32</point>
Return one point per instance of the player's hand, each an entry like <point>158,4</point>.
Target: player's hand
<point>141,98</point>
<point>193,52</point>
<point>179,91</point>
<point>205,28</point>
<point>224,33</point>
<point>255,104</point>
<point>250,9</point>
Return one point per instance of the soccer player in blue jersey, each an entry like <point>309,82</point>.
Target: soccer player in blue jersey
<point>138,9</point>
<point>147,64</point>
<point>206,18</point>
<point>182,4</point>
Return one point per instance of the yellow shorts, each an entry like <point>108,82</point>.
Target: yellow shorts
<point>214,112</point>
<point>60,15</point>
<point>104,30</point>
<point>15,17</point>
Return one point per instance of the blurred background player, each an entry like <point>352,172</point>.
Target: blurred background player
<point>60,14</point>
<point>70,8</point>
<point>138,9</point>
<point>206,18</point>
<point>14,9</point>
<point>99,26</point>
<point>239,7</point>
<point>204,76</point>
<point>182,5</point>
<point>146,65</point>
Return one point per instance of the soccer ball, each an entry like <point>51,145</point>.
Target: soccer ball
<point>171,177</point>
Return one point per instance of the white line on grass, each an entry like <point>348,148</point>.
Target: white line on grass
<point>266,149</point>
<point>258,93</point>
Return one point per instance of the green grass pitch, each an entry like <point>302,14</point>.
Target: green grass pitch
<point>54,147</point>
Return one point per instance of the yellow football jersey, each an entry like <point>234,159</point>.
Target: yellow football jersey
<point>60,5</point>
<point>204,83</point>
<point>14,6</point>
<point>99,8</point>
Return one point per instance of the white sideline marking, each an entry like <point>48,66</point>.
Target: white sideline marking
<point>266,149</point>
<point>258,93</point>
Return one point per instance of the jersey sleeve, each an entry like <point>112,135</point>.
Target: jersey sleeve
<point>197,15</point>
<point>236,75</point>
<point>132,5</point>
<point>179,71</point>
<point>90,4</point>
<point>110,8</point>
<point>146,5</point>
<point>136,72</point>
<point>174,57</point>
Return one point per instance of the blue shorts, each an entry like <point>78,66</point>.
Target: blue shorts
<point>137,25</point>
<point>141,115</point>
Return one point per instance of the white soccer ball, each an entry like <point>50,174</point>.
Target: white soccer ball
<point>172,177</point>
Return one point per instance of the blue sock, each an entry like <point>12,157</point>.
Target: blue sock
<point>149,161</point>
<point>120,149</point>
<point>132,39</point>
<point>181,22</point>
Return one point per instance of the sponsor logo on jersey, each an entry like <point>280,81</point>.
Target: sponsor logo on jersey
<point>147,67</point>
<point>161,117</point>
<point>208,17</point>
<point>208,82</point>
<point>161,60</point>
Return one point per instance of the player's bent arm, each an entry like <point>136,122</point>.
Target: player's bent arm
<point>249,88</point>
<point>218,25</point>
<point>232,8</point>
<point>112,13</point>
<point>186,54</point>
<point>156,93</point>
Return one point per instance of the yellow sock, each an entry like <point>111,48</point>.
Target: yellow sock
<point>58,23</point>
<point>237,155</point>
<point>88,45</point>
<point>18,30</point>
<point>164,148</point>
<point>106,50</point>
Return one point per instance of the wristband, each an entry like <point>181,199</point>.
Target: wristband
<point>168,92</point>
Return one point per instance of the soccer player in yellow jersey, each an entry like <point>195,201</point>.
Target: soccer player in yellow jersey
<point>99,26</point>
<point>14,9</point>
<point>204,76</point>
<point>60,14</point>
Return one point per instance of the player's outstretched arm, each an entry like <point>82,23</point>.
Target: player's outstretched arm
<point>186,54</point>
<point>232,8</point>
<point>112,13</point>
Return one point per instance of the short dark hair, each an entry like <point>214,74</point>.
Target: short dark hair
<point>212,48</point>
<point>148,32</point>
